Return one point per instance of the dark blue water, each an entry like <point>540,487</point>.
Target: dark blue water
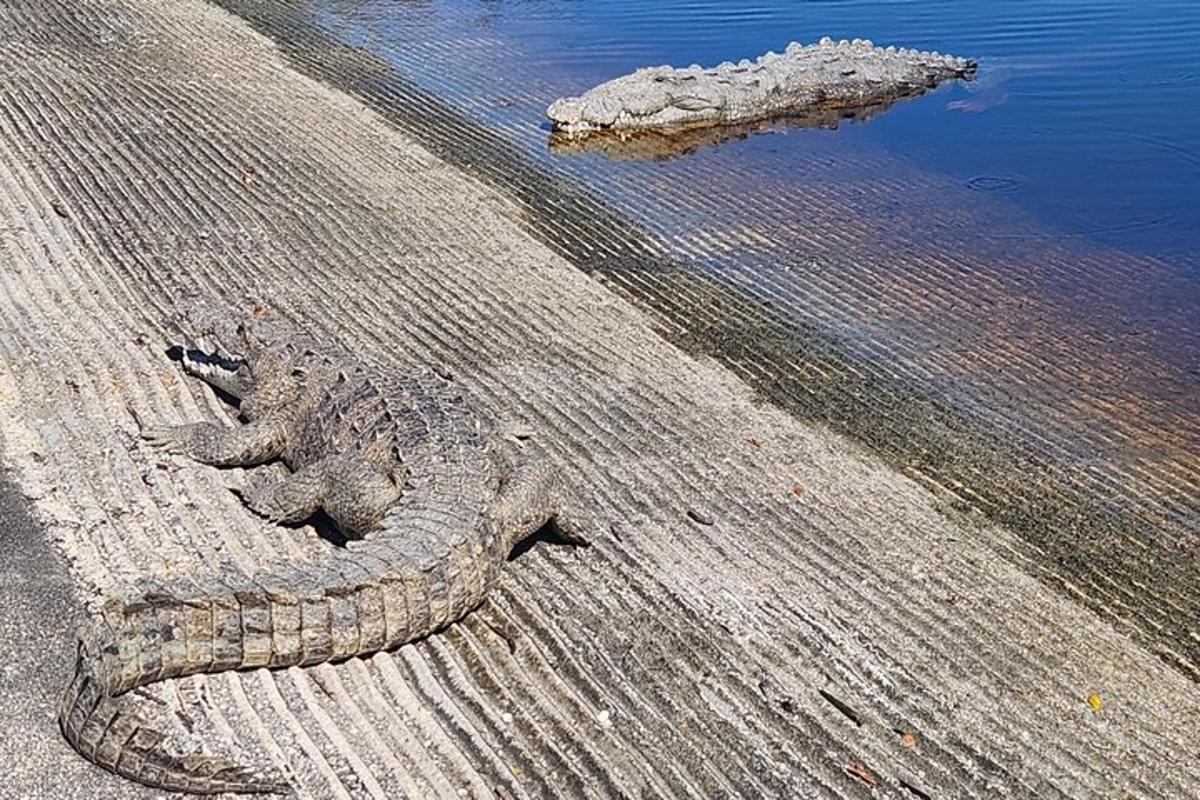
<point>1086,113</point>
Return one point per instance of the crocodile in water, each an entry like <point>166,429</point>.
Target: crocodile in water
<point>802,80</point>
<point>406,463</point>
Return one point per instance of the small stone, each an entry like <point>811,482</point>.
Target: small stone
<point>604,718</point>
<point>507,718</point>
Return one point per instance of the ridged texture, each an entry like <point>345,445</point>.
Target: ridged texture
<point>800,81</point>
<point>145,147</point>
<point>1044,381</point>
<point>109,731</point>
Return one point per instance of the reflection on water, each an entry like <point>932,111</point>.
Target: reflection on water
<point>1083,116</point>
<point>663,144</point>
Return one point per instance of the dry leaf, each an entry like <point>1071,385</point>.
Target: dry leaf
<point>862,773</point>
<point>909,738</point>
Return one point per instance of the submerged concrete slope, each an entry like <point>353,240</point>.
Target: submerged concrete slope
<point>771,612</point>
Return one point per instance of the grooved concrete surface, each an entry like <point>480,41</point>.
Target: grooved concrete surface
<point>147,147</point>
<point>1047,382</point>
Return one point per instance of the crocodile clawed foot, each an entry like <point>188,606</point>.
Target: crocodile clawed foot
<point>260,494</point>
<point>255,493</point>
<point>571,529</point>
<point>165,438</point>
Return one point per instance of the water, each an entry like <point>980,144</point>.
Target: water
<point>1086,113</point>
<point>1025,247</point>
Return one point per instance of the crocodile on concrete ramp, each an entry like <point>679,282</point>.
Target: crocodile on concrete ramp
<point>774,611</point>
<point>405,460</point>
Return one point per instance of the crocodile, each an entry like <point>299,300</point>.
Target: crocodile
<point>430,495</point>
<point>802,80</point>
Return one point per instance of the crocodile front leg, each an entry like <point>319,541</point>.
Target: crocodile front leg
<point>245,445</point>
<point>352,490</point>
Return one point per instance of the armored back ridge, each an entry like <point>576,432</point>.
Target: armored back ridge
<point>802,80</point>
<point>407,464</point>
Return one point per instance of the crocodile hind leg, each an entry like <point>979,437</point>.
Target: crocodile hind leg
<point>533,496</point>
<point>209,443</point>
<point>350,488</point>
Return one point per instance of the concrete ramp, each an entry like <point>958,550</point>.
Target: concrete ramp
<point>771,612</point>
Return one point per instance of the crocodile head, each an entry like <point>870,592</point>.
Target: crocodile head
<point>651,97</point>
<point>227,350</point>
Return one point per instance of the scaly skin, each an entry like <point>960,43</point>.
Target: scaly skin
<point>803,80</point>
<point>431,557</point>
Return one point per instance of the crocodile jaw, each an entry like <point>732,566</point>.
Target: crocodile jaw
<point>229,374</point>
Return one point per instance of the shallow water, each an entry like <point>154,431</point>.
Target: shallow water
<point>1086,113</point>
<point>1060,184</point>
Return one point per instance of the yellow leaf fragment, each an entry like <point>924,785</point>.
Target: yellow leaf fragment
<point>1094,701</point>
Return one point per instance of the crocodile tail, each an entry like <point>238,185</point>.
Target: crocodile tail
<point>106,730</point>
